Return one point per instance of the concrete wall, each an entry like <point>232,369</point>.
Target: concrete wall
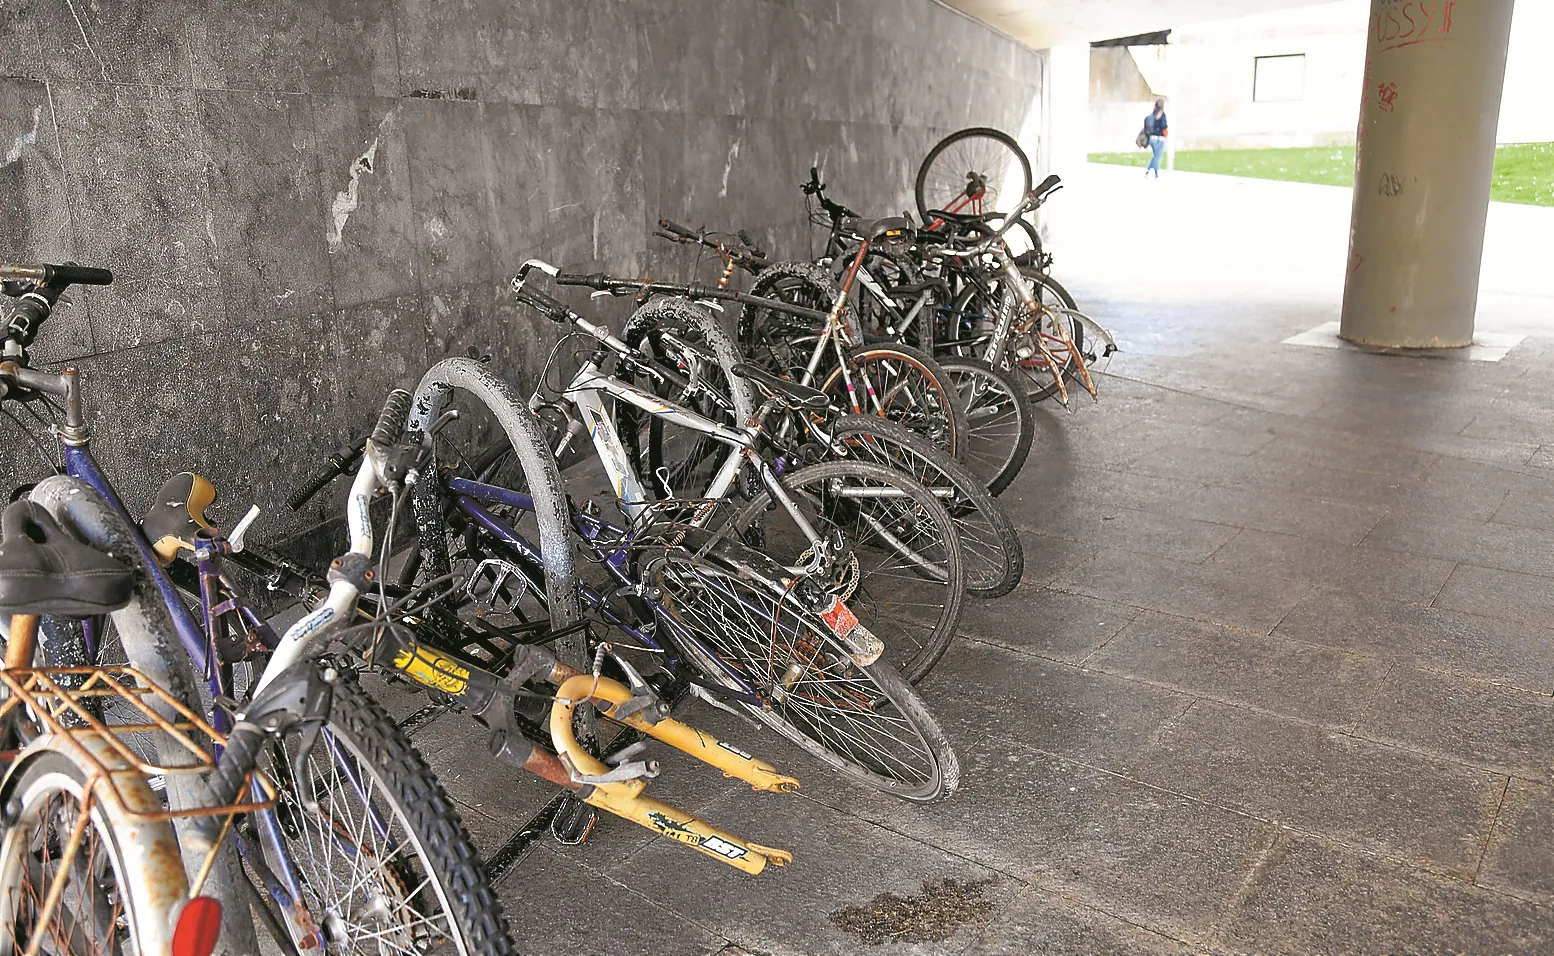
<point>309,201</point>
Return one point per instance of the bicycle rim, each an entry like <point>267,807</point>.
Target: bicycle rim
<point>904,576</point>
<point>999,415</point>
<point>973,171</point>
<point>381,871</point>
<point>862,720</point>
<point>108,905</point>
<point>900,385</point>
<point>994,559</point>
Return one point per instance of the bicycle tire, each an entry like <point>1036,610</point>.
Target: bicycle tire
<point>773,340</point>
<point>730,578</point>
<point>449,868</point>
<point>135,850</point>
<point>689,467</point>
<point>987,151</point>
<point>915,379</point>
<point>983,304</point>
<point>994,556</point>
<point>901,546</point>
<point>999,413</point>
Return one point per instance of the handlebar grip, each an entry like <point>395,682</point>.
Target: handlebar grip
<point>546,305</point>
<point>336,466</point>
<point>72,274</point>
<point>676,228</point>
<point>1046,185</point>
<point>239,757</point>
<point>593,280</point>
<point>391,421</point>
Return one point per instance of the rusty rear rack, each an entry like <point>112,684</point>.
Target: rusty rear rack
<point>65,704</point>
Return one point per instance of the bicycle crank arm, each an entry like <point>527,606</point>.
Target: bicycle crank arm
<point>734,762</point>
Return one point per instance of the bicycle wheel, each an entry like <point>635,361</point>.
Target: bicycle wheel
<point>993,555</point>
<point>977,309</point>
<point>999,415</point>
<point>899,383</point>
<point>778,341</point>
<point>680,334</point>
<point>883,272</point>
<point>743,630</point>
<point>120,893</point>
<point>385,863</point>
<point>973,171</point>
<point>904,576</point>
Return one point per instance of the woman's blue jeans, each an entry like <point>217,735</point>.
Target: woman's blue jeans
<point>1157,148</point>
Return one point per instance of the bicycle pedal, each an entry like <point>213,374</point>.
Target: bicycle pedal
<point>573,822</point>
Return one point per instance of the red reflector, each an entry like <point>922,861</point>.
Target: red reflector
<point>198,927</point>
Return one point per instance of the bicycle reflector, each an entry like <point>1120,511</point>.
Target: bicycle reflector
<point>198,927</point>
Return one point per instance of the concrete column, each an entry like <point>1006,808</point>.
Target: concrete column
<point>1426,149</point>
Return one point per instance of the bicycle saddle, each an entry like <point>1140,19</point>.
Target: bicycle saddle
<point>882,230</point>
<point>792,394</point>
<point>43,570</point>
<point>959,218</point>
<point>177,512</point>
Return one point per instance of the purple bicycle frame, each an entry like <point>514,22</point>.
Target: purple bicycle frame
<point>467,497</point>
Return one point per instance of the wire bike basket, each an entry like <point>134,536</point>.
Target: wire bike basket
<point>71,717</point>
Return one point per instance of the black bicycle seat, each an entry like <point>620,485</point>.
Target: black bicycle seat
<point>792,394</point>
<point>881,230</point>
<point>43,570</point>
<point>176,513</point>
<point>958,218</point>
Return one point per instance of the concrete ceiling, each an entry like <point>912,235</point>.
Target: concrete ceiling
<point>1043,23</point>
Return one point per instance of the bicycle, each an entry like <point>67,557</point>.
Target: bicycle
<point>774,641</point>
<point>993,559</point>
<point>1040,340</point>
<point>390,785</point>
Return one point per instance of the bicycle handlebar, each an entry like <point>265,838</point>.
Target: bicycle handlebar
<point>391,421</point>
<point>57,275</point>
<point>335,466</point>
<point>678,229</point>
<point>36,288</point>
<point>752,257</point>
<point>612,285</point>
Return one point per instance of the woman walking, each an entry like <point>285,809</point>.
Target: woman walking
<point>1155,128</point>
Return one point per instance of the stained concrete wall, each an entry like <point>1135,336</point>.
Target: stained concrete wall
<point>308,201</point>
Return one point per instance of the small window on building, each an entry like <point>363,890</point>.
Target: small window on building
<point>1277,78</point>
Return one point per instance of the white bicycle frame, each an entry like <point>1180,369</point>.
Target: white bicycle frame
<point>303,636</point>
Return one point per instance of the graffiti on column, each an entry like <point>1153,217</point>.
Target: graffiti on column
<point>1386,96</point>
<point>1399,23</point>
<point>1391,185</point>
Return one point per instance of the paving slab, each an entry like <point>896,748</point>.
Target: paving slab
<point>1429,811</point>
<point>1487,725</point>
<point>1035,920</point>
<point>1048,623</point>
<point>981,689</point>
<point>1158,859</point>
<point>841,861</point>
<point>1453,641</point>
<point>1520,858</point>
<point>1401,577</point>
<point>1491,592</point>
<point>1324,685</point>
<point>1311,897</point>
<point>556,906</point>
<point>1185,589</point>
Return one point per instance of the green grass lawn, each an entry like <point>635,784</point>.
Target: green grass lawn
<point>1524,172</point>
